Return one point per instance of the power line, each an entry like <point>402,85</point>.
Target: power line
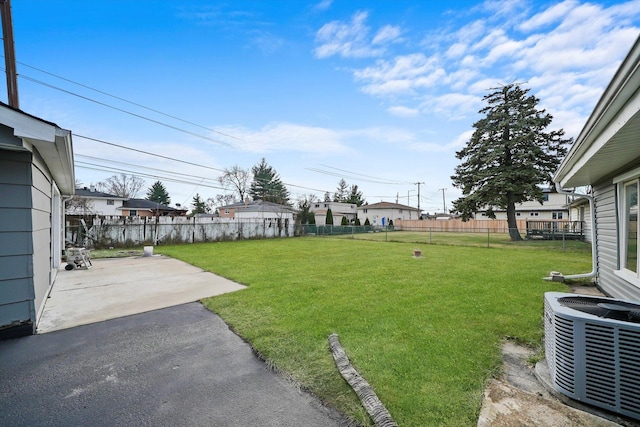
<point>127,101</point>
<point>175,160</point>
<point>148,153</point>
<point>339,175</point>
<point>143,167</point>
<point>101,168</point>
<point>139,116</point>
<point>366,176</point>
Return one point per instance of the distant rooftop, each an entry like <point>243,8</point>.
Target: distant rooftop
<point>92,192</point>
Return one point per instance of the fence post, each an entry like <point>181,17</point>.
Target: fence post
<point>488,237</point>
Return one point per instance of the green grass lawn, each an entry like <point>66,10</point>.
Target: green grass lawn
<point>425,332</point>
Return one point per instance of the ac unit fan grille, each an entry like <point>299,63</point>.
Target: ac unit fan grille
<point>603,307</point>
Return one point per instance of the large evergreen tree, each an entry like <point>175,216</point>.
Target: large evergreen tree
<point>198,205</point>
<point>355,196</point>
<point>342,193</point>
<point>158,193</point>
<point>267,185</point>
<point>509,156</point>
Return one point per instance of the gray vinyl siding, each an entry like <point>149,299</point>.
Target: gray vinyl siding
<point>41,225</point>
<point>16,241</point>
<point>608,245</point>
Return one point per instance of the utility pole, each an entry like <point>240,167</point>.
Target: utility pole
<point>9,54</point>
<point>418,184</point>
<point>444,205</point>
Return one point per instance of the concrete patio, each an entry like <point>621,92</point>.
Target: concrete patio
<point>117,287</point>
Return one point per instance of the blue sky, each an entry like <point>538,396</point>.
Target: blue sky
<point>380,93</point>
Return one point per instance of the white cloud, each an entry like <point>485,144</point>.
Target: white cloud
<point>549,16</point>
<point>323,5</point>
<point>566,52</point>
<point>387,34</point>
<point>402,75</point>
<point>401,111</point>
<point>287,136</point>
<point>454,106</point>
<point>349,40</point>
<point>457,50</point>
<point>432,147</point>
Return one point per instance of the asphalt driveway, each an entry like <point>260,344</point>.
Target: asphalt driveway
<point>124,344</point>
<point>179,366</point>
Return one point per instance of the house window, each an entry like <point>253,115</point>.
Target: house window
<point>627,188</point>
<point>110,202</point>
<point>533,214</point>
<point>517,213</point>
<point>545,197</point>
<point>630,226</point>
<point>364,210</point>
<point>317,205</point>
<point>226,211</point>
<point>133,212</point>
<point>556,215</point>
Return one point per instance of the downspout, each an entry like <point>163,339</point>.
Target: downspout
<point>559,277</point>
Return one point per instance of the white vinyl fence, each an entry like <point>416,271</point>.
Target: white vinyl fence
<point>118,231</point>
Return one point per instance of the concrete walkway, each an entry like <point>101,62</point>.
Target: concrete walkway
<point>117,287</point>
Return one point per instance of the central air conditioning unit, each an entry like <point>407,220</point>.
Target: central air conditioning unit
<point>592,347</point>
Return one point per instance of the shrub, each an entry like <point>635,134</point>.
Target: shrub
<point>366,222</point>
<point>329,218</point>
<point>344,221</point>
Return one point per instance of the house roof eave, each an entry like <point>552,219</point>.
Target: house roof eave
<point>53,143</point>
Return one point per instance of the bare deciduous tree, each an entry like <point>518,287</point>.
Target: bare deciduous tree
<point>236,179</point>
<point>224,199</point>
<point>122,185</point>
<point>79,205</point>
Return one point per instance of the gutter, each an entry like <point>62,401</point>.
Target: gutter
<point>559,277</point>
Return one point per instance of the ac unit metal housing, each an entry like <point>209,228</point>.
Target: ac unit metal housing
<point>594,358</point>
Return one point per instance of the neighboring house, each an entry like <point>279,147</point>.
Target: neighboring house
<point>338,211</point>
<point>579,213</point>
<point>144,207</point>
<point>88,201</point>
<point>379,214</point>
<point>257,210</point>
<point>36,173</point>
<point>554,207</point>
<point>606,156</point>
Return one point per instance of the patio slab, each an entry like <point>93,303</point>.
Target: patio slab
<point>117,287</point>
